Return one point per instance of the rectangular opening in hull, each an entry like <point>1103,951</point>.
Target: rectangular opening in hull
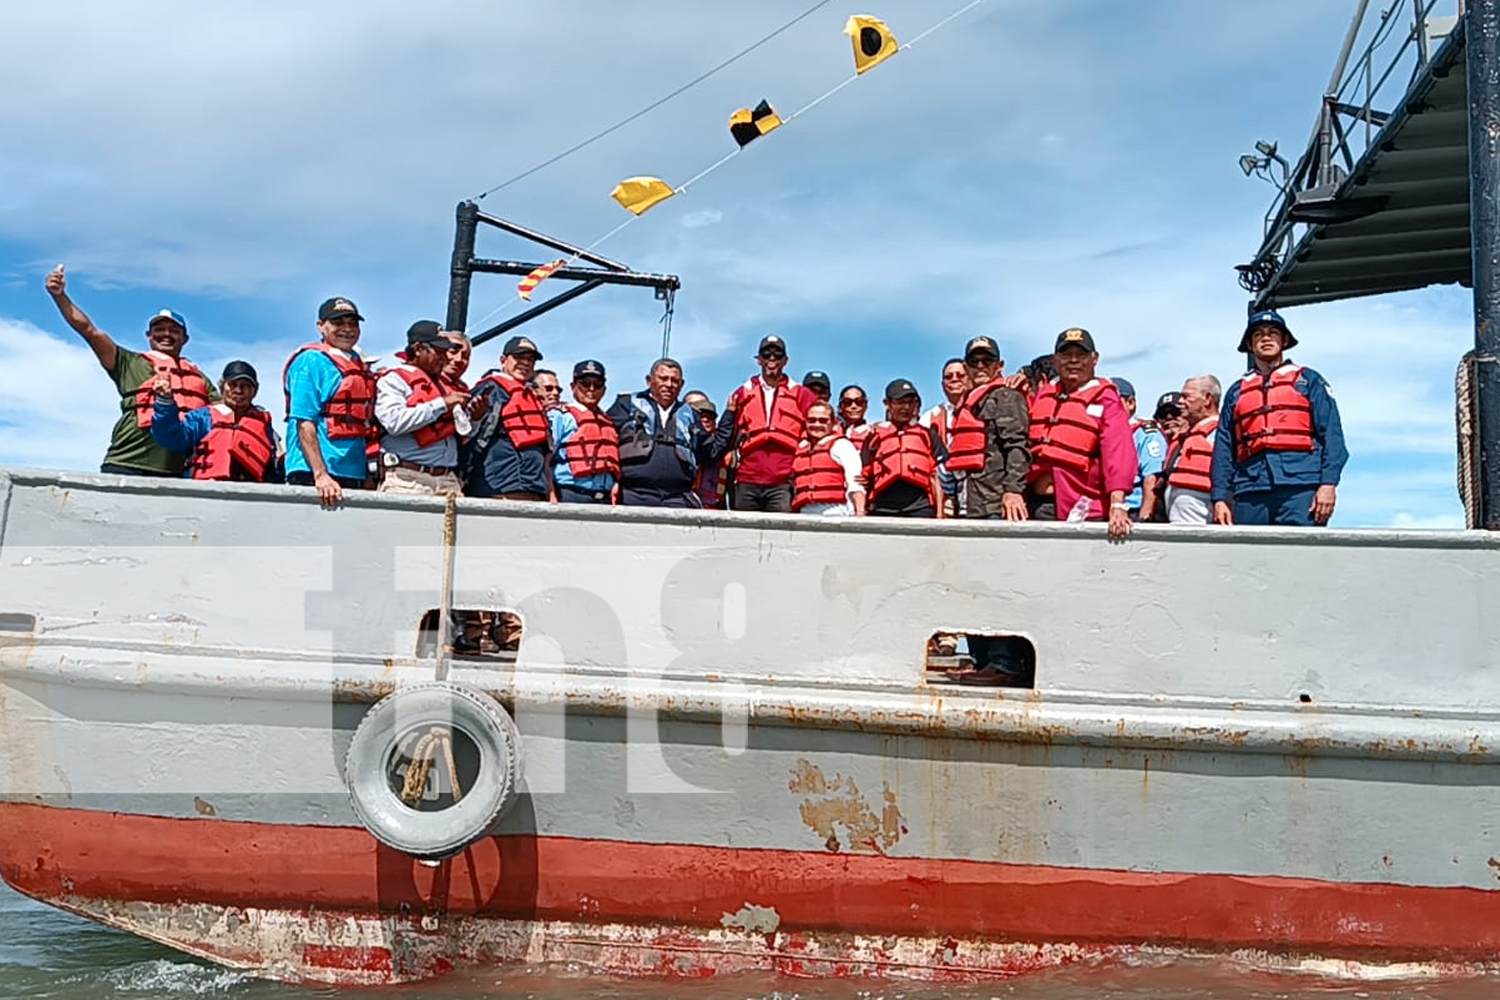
<point>15,621</point>
<point>981,659</point>
<point>472,634</point>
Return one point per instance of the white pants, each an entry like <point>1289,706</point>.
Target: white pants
<point>1188,506</point>
<point>411,481</point>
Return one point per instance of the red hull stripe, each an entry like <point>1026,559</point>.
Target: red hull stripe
<point>65,853</point>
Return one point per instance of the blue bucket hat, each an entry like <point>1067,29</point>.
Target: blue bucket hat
<point>1266,317</point>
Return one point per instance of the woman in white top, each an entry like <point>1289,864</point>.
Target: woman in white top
<point>825,457</point>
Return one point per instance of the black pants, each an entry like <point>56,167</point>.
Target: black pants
<point>109,468</point>
<point>771,499</point>
<point>306,479</point>
<point>1007,654</point>
<point>572,494</point>
<point>636,497</point>
<point>926,510</point>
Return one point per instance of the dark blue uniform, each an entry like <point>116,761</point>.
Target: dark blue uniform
<point>1277,487</point>
<point>490,464</point>
<point>658,463</point>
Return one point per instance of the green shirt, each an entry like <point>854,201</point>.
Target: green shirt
<point>131,445</point>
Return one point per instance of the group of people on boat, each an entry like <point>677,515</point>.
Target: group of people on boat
<point>1051,441</point>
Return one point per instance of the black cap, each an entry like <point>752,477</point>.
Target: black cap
<point>900,389</point>
<point>588,368</point>
<point>982,344</point>
<point>705,405</point>
<point>1266,317</point>
<point>335,307</point>
<point>1169,401</point>
<point>817,378</point>
<point>1076,336</point>
<point>521,345</point>
<point>426,331</point>
<point>237,370</point>
<point>771,342</point>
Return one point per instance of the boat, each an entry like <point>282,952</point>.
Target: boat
<point>230,722</point>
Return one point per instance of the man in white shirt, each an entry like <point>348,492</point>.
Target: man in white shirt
<point>827,470</point>
<point>415,408</point>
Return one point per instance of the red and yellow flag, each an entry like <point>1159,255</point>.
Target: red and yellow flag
<point>528,284</point>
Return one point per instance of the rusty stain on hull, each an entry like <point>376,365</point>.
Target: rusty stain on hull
<point>838,804</point>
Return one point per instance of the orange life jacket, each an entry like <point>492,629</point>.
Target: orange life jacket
<point>783,427</point>
<point>246,442</point>
<point>350,412</point>
<point>1063,433</point>
<point>594,446</point>
<point>1271,415</point>
<point>901,455</point>
<point>1190,465</point>
<point>523,417</point>
<point>424,390</point>
<point>817,477</point>
<point>189,387</point>
<point>970,440</point>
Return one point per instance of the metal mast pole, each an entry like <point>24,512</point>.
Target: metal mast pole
<point>1482,37</point>
<point>461,273</point>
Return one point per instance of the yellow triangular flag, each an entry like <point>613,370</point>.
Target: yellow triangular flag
<point>873,41</point>
<point>536,277</point>
<point>636,194</point>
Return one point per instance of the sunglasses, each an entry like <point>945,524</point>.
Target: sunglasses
<point>591,383</point>
<point>851,401</point>
<point>772,355</point>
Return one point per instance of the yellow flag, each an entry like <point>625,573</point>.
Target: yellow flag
<point>746,126</point>
<point>636,194</point>
<point>873,41</point>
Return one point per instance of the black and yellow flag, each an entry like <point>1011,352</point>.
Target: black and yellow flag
<point>746,126</point>
<point>873,41</point>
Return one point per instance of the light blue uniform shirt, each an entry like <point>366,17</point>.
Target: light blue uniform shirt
<point>1150,453</point>
<point>311,382</point>
<point>564,426</point>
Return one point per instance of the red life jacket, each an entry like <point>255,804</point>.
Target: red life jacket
<point>244,442</point>
<point>594,446</point>
<point>424,390</point>
<point>1190,465</point>
<point>783,427</point>
<point>1063,433</point>
<point>523,417</point>
<point>350,412</point>
<point>189,388</point>
<point>901,455</point>
<point>1271,415</point>
<point>970,440</point>
<point>858,433</point>
<point>817,477</point>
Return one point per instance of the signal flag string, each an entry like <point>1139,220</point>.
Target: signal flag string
<point>873,43</point>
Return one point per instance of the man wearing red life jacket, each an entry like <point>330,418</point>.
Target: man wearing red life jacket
<point>900,459</point>
<point>586,447</point>
<point>1279,449</point>
<point>507,456</point>
<point>330,407</point>
<point>1189,466</point>
<point>988,437</point>
<point>766,416</point>
<point>853,405</point>
<point>416,409</point>
<point>132,450</point>
<point>1083,460</point>
<point>940,417</point>
<point>827,472</point>
<point>232,440</point>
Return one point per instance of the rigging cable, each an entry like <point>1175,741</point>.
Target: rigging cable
<point>655,104</point>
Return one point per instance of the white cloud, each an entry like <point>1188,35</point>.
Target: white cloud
<point>704,217</point>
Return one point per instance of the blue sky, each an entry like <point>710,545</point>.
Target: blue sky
<point>1032,166</point>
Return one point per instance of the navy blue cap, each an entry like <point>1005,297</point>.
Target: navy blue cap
<point>427,331</point>
<point>1075,337</point>
<point>771,343</point>
<point>521,345</point>
<point>1124,388</point>
<point>338,306</point>
<point>817,378</point>
<point>982,344</point>
<point>588,368</point>
<point>1169,401</point>
<point>236,370</point>
<point>1266,317</point>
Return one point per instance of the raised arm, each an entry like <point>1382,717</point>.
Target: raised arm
<point>105,349</point>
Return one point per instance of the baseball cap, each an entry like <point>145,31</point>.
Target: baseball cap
<point>1124,388</point>
<point>335,307</point>
<point>1265,316</point>
<point>771,343</point>
<point>1075,335</point>
<point>986,344</point>
<point>426,331</point>
<point>900,389</point>
<point>175,317</point>
<point>1168,401</point>
<point>521,345</point>
<point>817,378</point>
<point>588,368</point>
<point>237,370</point>
<point>705,405</point>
